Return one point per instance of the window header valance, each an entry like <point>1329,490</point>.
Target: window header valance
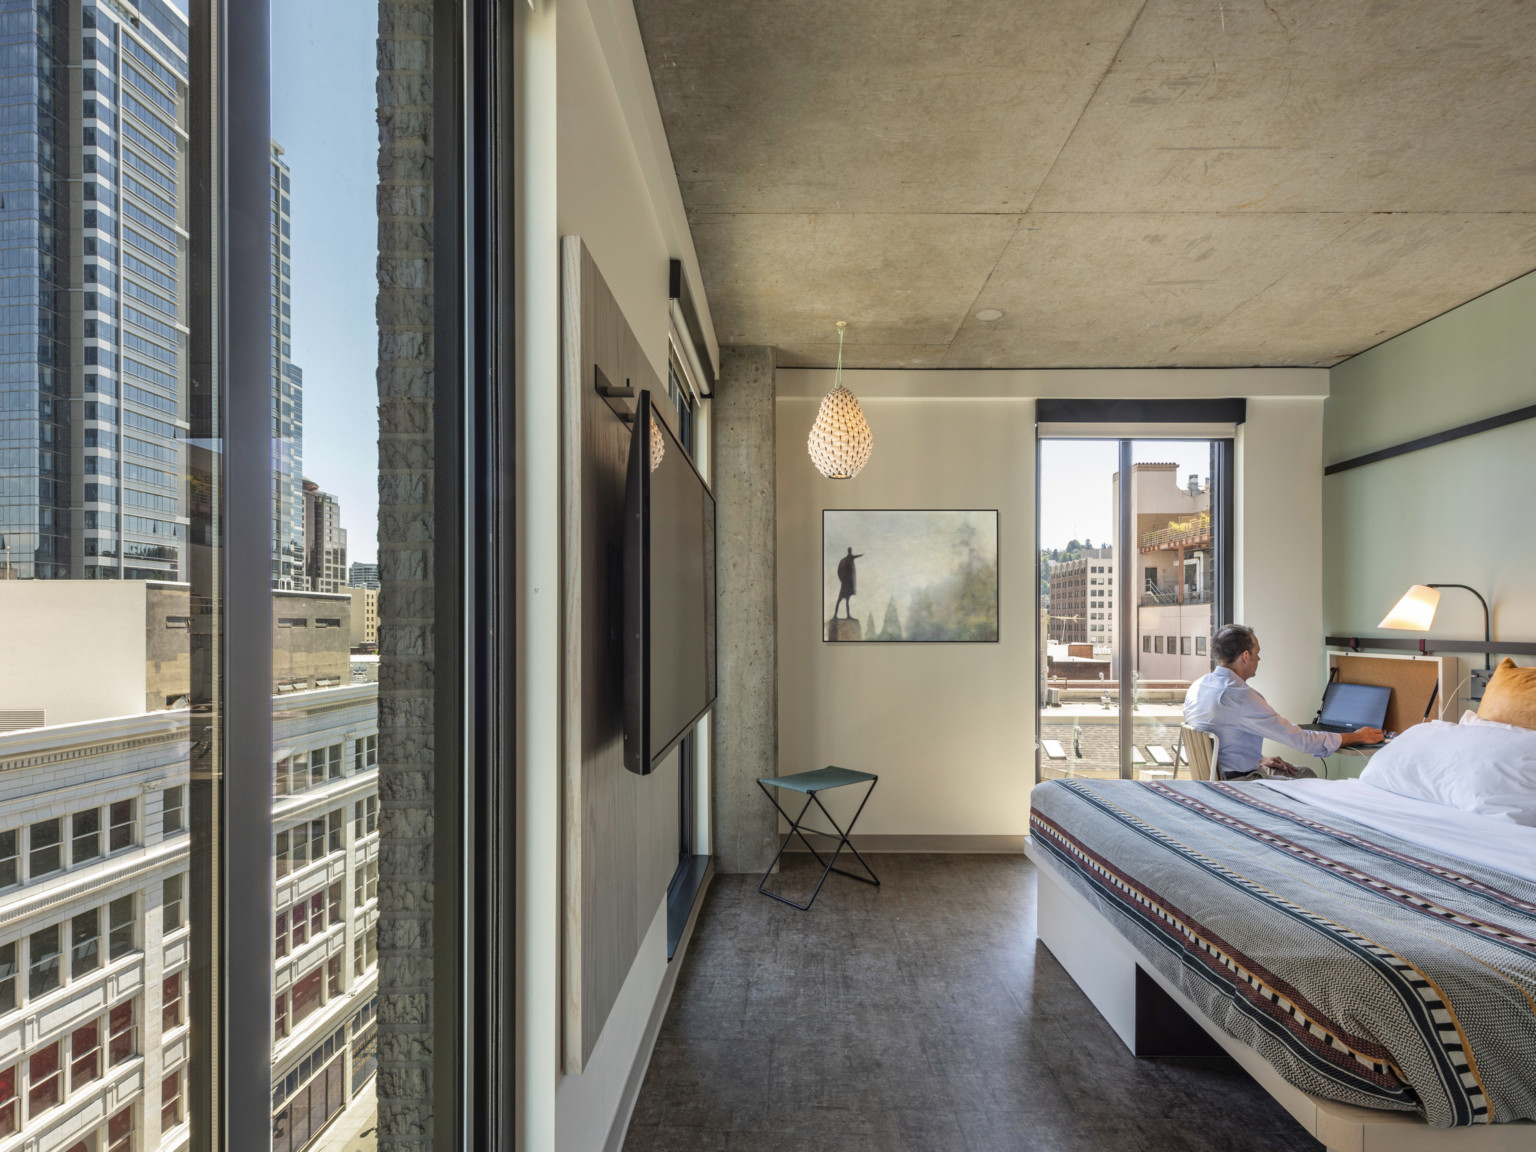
<point>1227,410</point>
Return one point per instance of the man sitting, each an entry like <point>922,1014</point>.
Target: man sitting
<point>1222,703</point>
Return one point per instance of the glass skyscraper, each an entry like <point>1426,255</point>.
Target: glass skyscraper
<point>92,290</point>
<point>288,560</point>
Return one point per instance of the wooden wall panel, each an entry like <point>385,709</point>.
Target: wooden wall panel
<point>620,830</point>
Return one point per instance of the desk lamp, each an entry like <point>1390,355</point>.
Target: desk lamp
<point>1415,612</point>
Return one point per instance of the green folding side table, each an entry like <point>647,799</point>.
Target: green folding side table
<point>809,784</point>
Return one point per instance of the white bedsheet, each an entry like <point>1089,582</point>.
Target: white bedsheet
<point>1494,843</point>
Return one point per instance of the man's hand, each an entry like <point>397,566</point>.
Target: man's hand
<point>1278,766</point>
<point>1362,736</point>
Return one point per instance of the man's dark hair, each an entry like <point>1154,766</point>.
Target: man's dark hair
<point>1232,640</point>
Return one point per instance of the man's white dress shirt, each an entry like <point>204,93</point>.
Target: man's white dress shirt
<point>1221,702</point>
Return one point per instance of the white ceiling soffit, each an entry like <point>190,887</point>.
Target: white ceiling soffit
<point>1112,183</point>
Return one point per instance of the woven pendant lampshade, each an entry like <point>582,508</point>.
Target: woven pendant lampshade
<point>840,440</point>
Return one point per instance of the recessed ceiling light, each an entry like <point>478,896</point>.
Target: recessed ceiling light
<point>989,314</point>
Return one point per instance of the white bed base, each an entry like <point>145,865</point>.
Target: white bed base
<point>1104,963</point>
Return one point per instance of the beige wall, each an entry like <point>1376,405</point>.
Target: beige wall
<point>365,616</point>
<point>950,727</point>
<point>1280,551</point>
<point>168,628</point>
<point>306,653</point>
<point>75,648</point>
<point>603,195</point>
<point>1176,621</point>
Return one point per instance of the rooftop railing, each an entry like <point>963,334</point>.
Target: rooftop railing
<point>1179,534</point>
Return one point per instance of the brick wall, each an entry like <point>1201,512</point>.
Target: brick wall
<point>405,574</point>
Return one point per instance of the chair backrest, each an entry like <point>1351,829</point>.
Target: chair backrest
<point>1203,749</point>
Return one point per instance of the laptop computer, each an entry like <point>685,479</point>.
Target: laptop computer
<point>1350,707</point>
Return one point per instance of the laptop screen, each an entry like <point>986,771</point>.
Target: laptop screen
<point>1355,705</point>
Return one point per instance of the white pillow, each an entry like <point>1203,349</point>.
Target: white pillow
<point>1471,718</point>
<point>1488,769</point>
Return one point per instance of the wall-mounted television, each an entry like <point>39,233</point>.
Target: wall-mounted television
<point>669,592</point>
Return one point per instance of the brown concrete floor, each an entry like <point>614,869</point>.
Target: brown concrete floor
<point>919,1016</point>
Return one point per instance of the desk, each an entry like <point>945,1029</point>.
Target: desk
<point>1423,687</point>
<point>1352,762</point>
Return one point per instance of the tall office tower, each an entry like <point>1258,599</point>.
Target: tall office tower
<point>362,575</point>
<point>288,559</point>
<point>92,360</point>
<point>325,540</point>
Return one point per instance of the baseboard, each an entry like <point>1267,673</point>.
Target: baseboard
<point>878,842</point>
<point>636,1078</point>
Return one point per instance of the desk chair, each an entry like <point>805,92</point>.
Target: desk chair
<point>1201,750</point>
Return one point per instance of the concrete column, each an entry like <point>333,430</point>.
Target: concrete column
<point>407,1002</point>
<point>746,720</point>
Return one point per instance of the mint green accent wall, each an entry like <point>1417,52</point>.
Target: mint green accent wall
<point>1475,361</point>
<point>1462,512</point>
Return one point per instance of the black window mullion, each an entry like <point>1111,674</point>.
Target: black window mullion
<point>241,107</point>
<point>1123,619</point>
<point>1223,476</point>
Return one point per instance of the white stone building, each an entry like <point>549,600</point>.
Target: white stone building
<point>94,940</point>
<point>326,865</point>
<point>94,886</point>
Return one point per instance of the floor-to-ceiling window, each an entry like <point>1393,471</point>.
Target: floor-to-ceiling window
<point>1133,549</point>
<point>110,555</point>
<point>323,249</point>
<point>190,819</point>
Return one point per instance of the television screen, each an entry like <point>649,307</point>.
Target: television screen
<point>670,593</point>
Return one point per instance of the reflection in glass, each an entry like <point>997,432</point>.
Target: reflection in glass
<point>94,538</point>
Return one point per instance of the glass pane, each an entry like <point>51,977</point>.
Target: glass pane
<point>1170,605</point>
<point>1175,593</point>
<point>104,579</point>
<point>324,246</point>
<point>1080,709</point>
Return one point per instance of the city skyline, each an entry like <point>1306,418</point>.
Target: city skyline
<point>333,162</point>
<point>105,500</point>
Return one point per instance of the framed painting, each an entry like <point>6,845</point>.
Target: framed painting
<point>909,576</point>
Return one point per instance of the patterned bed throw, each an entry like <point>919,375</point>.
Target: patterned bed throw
<point>1364,968</point>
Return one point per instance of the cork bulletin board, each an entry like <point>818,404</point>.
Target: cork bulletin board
<point>1413,682</point>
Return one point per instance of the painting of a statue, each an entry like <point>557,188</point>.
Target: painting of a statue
<point>911,576</point>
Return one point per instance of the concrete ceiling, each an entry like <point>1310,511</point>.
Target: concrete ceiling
<point>1129,182</point>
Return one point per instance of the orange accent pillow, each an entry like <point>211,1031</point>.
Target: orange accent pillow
<point>1510,697</point>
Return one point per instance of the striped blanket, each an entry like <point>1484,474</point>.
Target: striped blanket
<point>1364,968</point>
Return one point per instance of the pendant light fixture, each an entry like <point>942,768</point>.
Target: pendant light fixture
<point>658,446</point>
<point>840,440</point>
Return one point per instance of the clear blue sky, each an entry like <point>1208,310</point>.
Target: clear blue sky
<point>323,102</point>
<point>1075,492</point>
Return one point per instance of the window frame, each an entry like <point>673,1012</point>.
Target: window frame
<point>14,859</point>
<point>229,801</point>
<point>115,1055</point>
<point>55,1079</point>
<point>58,847</point>
<point>96,1054</point>
<point>1119,421</point>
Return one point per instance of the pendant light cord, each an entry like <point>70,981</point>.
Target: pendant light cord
<point>842,325</point>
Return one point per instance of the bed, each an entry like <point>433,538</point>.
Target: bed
<point>1369,957</point>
